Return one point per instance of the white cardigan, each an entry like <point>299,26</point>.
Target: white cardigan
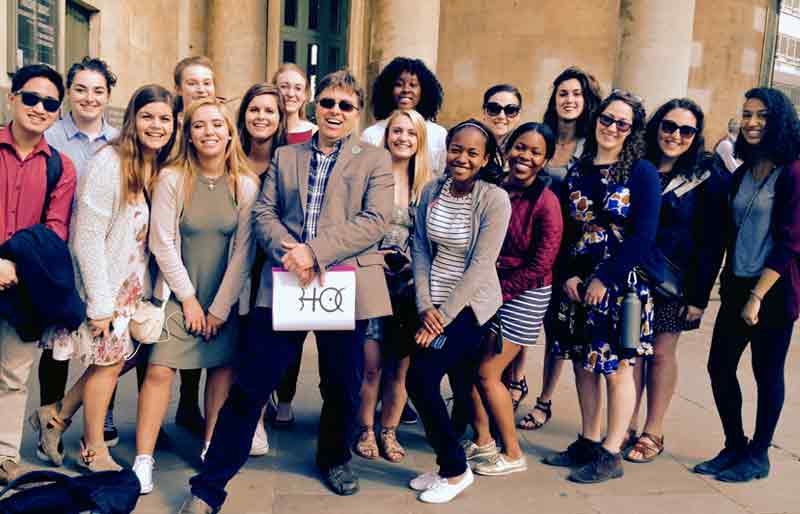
<point>165,243</point>
<point>101,235</point>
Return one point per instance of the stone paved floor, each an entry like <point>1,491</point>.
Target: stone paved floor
<point>285,480</point>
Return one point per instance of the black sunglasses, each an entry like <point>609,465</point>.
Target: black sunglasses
<point>30,99</point>
<point>606,121</point>
<point>330,103</point>
<point>669,127</point>
<point>494,109</point>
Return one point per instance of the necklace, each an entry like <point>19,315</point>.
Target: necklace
<point>211,183</point>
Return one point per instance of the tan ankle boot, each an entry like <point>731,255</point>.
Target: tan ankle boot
<point>50,427</point>
<point>97,458</point>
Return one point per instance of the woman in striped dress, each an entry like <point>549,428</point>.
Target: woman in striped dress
<point>525,268</point>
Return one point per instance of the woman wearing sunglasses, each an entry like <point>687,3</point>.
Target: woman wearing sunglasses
<point>693,193</point>
<point>760,283</point>
<point>407,84</point>
<point>574,99</point>
<point>501,106</point>
<point>613,198</point>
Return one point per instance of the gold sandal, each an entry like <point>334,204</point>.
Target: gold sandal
<point>97,458</point>
<point>390,447</point>
<point>50,427</point>
<point>366,446</point>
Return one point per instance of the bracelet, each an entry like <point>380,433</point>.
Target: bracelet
<point>753,293</point>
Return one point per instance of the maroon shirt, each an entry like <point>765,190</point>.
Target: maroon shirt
<point>23,184</point>
<point>532,242</point>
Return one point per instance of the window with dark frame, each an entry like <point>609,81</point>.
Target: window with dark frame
<point>35,32</point>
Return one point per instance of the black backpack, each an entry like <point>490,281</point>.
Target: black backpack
<point>105,492</point>
<point>54,170</point>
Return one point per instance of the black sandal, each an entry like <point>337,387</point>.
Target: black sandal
<point>522,387</point>
<point>531,423</point>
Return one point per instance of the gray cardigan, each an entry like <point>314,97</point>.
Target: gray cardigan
<point>479,287</point>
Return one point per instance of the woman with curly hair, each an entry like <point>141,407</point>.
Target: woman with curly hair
<point>407,84</point>
<point>760,283</point>
<point>613,201</point>
<point>461,223</point>
<point>689,245</point>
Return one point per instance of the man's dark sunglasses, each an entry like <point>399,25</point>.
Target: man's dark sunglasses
<point>330,103</point>
<point>606,121</point>
<point>494,109</point>
<point>30,99</point>
<point>669,127</point>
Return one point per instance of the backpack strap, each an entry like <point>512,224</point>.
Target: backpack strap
<point>54,169</point>
<point>35,477</point>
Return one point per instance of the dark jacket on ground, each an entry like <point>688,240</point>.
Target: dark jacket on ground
<point>46,294</point>
<point>689,233</point>
<point>785,256</point>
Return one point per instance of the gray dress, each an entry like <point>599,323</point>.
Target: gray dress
<point>207,225</point>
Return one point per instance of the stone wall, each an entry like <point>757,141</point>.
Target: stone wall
<point>527,44</point>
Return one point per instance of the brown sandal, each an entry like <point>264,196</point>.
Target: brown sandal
<point>366,446</point>
<point>648,446</point>
<point>390,447</point>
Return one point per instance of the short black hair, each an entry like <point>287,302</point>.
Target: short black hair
<point>502,88</point>
<point>493,171</point>
<point>383,102</point>
<point>92,64</point>
<point>689,161</point>
<point>591,99</point>
<point>32,71</point>
<point>780,142</point>
<point>539,128</point>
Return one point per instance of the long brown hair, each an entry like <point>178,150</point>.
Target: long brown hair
<point>129,149</point>
<point>186,160</point>
<point>419,168</point>
<point>288,66</point>
<point>279,137</point>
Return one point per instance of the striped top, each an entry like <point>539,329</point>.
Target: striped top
<point>450,229</point>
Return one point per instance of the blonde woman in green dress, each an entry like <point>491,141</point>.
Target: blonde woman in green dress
<point>201,237</point>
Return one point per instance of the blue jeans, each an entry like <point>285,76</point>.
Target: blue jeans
<point>458,359</point>
<point>264,359</point>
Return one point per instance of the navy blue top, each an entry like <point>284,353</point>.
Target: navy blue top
<point>623,215</point>
<point>690,234</point>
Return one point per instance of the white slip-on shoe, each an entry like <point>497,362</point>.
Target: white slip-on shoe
<point>500,464</point>
<point>443,491</point>
<point>473,451</point>
<point>260,444</point>
<point>424,481</point>
<point>143,467</point>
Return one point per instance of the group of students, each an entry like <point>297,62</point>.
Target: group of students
<point>604,227</point>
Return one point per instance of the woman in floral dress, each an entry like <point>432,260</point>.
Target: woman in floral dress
<point>613,201</point>
<point>109,244</point>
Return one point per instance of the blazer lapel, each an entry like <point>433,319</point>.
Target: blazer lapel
<point>303,170</point>
<point>349,149</point>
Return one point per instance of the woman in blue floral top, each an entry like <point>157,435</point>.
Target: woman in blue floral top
<point>613,201</point>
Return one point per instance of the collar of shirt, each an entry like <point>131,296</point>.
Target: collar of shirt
<point>336,146</point>
<point>72,130</point>
<point>7,139</point>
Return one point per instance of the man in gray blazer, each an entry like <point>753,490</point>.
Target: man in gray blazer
<point>323,203</point>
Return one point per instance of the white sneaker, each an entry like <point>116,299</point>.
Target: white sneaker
<point>424,481</point>
<point>260,444</point>
<point>143,467</point>
<point>443,491</point>
<point>204,451</point>
<point>473,451</point>
<point>500,465</point>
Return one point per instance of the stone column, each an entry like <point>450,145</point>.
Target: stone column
<point>237,44</point>
<point>404,28</point>
<point>655,49</point>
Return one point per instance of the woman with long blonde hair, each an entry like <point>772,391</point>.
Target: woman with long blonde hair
<point>389,340</point>
<point>109,245</point>
<point>200,235</point>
